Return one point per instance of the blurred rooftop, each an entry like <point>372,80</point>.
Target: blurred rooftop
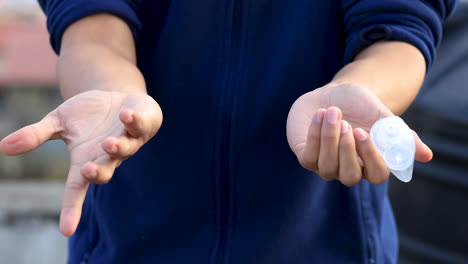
<point>25,54</point>
<point>13,9</point>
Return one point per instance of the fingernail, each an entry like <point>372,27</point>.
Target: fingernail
<point>332,115</point>
<point>361,135</point>
<point>344,127</point>
<point>319,116</point>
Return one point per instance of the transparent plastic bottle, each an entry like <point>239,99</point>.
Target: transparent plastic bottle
<point>395,143</point>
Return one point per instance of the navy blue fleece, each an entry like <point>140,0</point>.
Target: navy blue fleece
<point>218,183</point>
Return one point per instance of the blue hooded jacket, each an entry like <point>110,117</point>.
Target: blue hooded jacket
<point>218,183</point>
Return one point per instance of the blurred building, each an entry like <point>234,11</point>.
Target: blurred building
<point>31,185</point>
<point>26,58</point>
<point>19,8</point>
<point>27,78</point>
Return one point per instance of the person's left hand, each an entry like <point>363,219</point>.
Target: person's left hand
<point>328,129</point>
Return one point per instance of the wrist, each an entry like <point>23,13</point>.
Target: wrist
<point>96,67</point>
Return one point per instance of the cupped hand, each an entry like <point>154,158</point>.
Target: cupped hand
<point>328,130</point>
<point>101,129</point>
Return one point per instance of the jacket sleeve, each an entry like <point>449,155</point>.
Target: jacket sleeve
<point>418,22</point>
<point>62,13</point>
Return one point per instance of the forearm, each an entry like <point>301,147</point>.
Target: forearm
<point>393,71</point>
<point>98,53</point>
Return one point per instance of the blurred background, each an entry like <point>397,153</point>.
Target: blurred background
<point>30,185</point>
<point>431,210</point>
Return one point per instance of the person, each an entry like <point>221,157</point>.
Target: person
<point>241,83</point>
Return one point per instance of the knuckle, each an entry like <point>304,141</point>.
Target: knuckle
<point>328,169</point>
<point>74,186</point>
<point>136,126</point>
<point>364,150</point>
<point>121,154</point>
<point>328,173</point>
<point>125,151</point>
<point>329,136</point>
<point>102,179</point>
<point>346,144</point>
<point>350,179</point>
<point>140,123</point>
<point>126,154</point>
<point>90,178</point>
<point>326,177</point>
<point>314,134</point>
<point>308,164</point>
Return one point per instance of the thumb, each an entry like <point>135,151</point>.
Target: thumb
<point>423,152</point>
<point>30,137</point>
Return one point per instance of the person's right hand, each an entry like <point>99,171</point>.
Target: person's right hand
<point>101,129</point>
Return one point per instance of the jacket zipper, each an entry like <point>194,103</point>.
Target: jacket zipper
<point>371,251</point>
<point>228,99</point>
<point>370,256</point>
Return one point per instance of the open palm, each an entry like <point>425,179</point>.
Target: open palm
<point>101,129</point>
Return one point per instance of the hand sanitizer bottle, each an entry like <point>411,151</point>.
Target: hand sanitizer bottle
<point>395,143</point>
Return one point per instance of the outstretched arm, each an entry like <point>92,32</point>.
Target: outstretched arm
<point>393,71</point>
<point>107,115</point>
<point>98,52</point>
<point>383,80</point>
<point>328,127</point>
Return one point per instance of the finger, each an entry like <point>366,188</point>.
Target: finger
<point>30,137</point>
<point>361,163</point>
<point>329,141</point>
<point>350,172</point>
<point>309,156</point>
<point>136,124</point>
<point>101,170</point>
<point>423,152</point>
<point>375,169</point>
<point>73,199</point>
<point>122,147</point>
